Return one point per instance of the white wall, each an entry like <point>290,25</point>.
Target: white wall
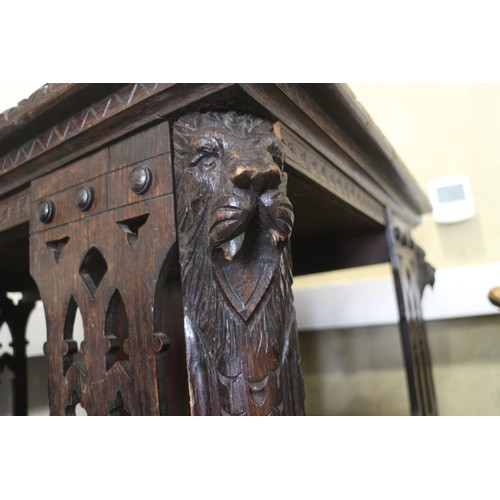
<point>437,130</point>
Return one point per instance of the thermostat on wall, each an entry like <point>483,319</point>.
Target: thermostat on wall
<point>451,199</point>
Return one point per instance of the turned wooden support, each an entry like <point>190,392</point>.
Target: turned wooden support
<point>234,224</point>
<point>411,275</point>
<point>494,296</point>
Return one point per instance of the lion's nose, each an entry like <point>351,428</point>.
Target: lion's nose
<point>257,179</point>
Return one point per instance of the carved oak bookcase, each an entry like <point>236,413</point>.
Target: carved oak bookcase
<point>171,216</point>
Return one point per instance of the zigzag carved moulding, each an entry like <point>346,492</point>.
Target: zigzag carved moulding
<point>85,119</point>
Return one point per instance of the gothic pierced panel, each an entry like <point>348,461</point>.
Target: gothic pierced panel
<point>411,275</point>
<point>106,263</point>
<point>234,224</point>
<point>13,319</point>
<point>74,408</point>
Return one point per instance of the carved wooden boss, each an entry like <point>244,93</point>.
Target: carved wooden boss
<point>164,214</point>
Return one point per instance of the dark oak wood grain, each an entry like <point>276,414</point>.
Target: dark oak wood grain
<point>110,118</point>
<point>108,261</point>
<point>234,224</point>
<point>14,210</point>
<point>16,316</point>
<point>411,275</point>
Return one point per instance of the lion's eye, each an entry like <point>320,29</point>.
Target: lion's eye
<point>206,157</point>
<point>207,162</point>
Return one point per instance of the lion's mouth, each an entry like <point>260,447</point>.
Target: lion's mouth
<point>227,222</point>
<point>230,220</point>
<point>227,228</point>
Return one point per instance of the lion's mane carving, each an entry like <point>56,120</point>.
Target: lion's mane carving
<point>234,225</point>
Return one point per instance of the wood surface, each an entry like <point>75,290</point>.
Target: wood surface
<point>411,275</point>
<point>234,225</point>
<point>16,316</point>
<point>110,261</point>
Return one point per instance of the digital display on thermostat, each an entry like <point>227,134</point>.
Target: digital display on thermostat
<point>451,193</point>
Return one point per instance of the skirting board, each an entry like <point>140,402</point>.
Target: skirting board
<point>458,292</point>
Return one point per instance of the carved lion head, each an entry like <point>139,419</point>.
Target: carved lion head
<point>231,166</point>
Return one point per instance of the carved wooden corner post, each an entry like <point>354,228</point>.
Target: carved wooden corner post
<point>234,224</point>
<point>411,275</point>
<point>16,317</point>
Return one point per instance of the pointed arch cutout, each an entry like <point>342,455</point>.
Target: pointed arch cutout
<point>74,335</point>
<point>116,330</point>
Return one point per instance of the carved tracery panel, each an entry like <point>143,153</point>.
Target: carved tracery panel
<point>100,247</point>
<point>15,317</point>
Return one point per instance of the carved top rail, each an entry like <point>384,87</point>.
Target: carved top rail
<point>28,109</point>
<point>330,140</point>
